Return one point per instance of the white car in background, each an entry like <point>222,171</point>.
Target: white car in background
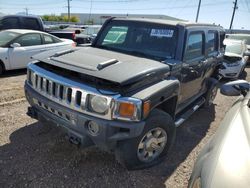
<point>235,58</point>
<point>17,46</point>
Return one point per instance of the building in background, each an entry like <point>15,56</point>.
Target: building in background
<point>99,19</point>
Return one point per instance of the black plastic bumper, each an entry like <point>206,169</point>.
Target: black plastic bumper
<point>109,132</point>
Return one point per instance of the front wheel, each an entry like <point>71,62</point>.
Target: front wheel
<point>151,146</point>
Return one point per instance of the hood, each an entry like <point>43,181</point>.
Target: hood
<point>229,54</point>
<point>105,64</point>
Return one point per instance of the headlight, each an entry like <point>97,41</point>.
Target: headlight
<point>128,109</point>
<point>98,104</point>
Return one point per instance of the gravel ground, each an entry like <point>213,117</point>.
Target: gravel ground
<point>35,156</point>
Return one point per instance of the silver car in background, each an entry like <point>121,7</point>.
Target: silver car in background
<point>235,58</point>
<point>225,161</point>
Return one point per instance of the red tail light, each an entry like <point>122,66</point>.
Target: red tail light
<point>73,44</point>
<point>74,36</point>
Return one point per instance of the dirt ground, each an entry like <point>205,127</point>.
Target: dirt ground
<point>34,156</point>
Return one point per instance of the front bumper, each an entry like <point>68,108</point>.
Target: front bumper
<point>76,124</point>
<point>231,72</point>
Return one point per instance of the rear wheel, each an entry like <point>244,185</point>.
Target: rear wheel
<point>211,93</point>
<point>151,146</point>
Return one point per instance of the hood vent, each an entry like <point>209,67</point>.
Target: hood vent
<point>104,64</point>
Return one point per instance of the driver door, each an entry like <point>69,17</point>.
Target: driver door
<point>30,44</point>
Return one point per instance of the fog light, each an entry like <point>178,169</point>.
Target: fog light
<point>93,128</point>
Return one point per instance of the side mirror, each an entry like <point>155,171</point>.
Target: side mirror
<point>235,88</point>
<point>247,53</point>
<point>15,45</point>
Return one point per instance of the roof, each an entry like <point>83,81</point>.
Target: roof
<point>167,22</point>
<point>24,31</point>
<point>20,15</point>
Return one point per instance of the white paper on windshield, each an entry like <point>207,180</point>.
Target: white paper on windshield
<point>162,33</point>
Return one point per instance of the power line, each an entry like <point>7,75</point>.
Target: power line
<point>69,10</point>
<point>232,19</point>
<point>26,11</point>
<point>198,11</point>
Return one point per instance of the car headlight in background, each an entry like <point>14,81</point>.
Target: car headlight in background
<point>98,104</point>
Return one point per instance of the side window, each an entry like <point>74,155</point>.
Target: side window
<point>30,23</point>
<point>10,23</point>
<point>50,39</point>
<point>212,42</point>
<point>29,40</point>
<point>116,35</point>
<point>195,46</point>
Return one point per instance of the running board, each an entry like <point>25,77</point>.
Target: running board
<point>188,113</point>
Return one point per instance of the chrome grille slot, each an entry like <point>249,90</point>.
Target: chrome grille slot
<point>78,98</point>
<point>62,115</point>
<point>69,95</point>
<point>65,92</point>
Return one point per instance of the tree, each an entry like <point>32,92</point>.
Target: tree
<point>55,18</point>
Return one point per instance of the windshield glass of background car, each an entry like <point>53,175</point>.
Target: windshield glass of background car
<point>7,36</point>
<point>150,39</point>
<point>235,48</point>
<point>239,37</point>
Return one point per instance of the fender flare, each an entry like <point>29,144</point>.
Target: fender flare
<point>159,92</point>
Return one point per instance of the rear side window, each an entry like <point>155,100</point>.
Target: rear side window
<point>29,40</point>
<point>31,23</point>
<point>50,40</point>
<point>212,42</point>
<point>195,45</point>
<point>10,23</point>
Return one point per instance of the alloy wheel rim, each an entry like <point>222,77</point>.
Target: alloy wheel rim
<point>152,144</point>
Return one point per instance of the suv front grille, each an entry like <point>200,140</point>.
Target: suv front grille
<point>65,94</point>
<point>64,91</point>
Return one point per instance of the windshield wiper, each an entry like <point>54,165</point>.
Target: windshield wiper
<point>146,55</point>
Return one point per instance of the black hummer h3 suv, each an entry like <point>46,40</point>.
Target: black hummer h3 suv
<point>130,89</point>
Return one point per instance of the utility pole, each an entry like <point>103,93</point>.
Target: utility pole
<point>232,19</point>
<point>198,11</point>
<point>26,11</point>
<point>69,10</point>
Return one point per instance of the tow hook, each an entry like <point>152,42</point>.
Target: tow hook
<point>74,140</point>
<point>32,113</point>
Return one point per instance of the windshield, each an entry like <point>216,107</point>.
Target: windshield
<point>7,36</point>
<point>149,40</point>
<point>240,37</point>
<point>236,48</point>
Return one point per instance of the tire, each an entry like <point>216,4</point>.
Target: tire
<point>1,69</point>
<point>128,152</point>
<point>211,93</point>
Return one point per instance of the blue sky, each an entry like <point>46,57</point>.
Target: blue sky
<point>216,11</point>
